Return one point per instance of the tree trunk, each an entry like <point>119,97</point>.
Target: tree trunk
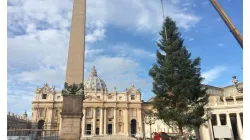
<point>197,133</point>
<point>180,130</point>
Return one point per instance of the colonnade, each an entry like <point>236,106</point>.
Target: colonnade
<point>101,121</point>
<point>228,123</point>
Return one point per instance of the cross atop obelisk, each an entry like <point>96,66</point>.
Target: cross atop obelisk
<point>73,95</point>
<point>75,65</point>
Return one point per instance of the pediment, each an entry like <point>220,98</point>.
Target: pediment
<point>133,90</point>
<point>46,89</point>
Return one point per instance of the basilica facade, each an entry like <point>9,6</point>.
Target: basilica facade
<point>122,113</point>
<point>105,112</point>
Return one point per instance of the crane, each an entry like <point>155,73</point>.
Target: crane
<point>228,22</point>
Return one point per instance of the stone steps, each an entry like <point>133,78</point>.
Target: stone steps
<point>112,137</point>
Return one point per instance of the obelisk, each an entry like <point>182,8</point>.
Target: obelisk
<point>72,93</point>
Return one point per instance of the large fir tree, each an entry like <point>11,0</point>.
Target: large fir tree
<point>179,95</point>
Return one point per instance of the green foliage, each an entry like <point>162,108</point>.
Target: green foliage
<point>179,95</point>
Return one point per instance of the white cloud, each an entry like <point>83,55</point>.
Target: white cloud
<point>220,44</point>
<point>205,2</point>
<point>139,14</point>
<point>213,74</point>
<point>190,39</point>
<point>130,51</point>
<point>186,4</point>
<point>38,38</point>
<point>97,34</point>
<point>218,19</point>
<point>118,71</point>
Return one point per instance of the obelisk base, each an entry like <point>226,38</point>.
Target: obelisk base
<point>71,117</point>
<point>71,127</point>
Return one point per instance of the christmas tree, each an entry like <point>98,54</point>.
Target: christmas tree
<point>179,95</point>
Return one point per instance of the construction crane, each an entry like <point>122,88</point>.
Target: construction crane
<point>228,22</point>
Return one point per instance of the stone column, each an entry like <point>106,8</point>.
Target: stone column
<point>229,123</point>
<point>210,127</point>
<point>224,100</point>
<point>218,119</point>
<point>126,120</point>
<point>105,122</point>
<point>83,122</point>
<point>239,126</point>
<point>101,121</point>
<point>234,98</point>
<point>115,121</point>
<point>94,121</point>
<point>139,120</point>
<point>60,120</point>
<point>228,120</point>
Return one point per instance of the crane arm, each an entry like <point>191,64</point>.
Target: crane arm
<point>227,21</point>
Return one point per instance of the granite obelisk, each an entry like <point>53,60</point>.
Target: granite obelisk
<point>72,93</point>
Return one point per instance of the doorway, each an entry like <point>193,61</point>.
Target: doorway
<point>133,127</point>
<point>40,126</point>
<point>97,130</point>
<point>109,129</point>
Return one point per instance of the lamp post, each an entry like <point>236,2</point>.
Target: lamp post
<point>149,119</point>
<point>236,84</point>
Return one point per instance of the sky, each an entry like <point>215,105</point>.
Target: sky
<point>121,40</point>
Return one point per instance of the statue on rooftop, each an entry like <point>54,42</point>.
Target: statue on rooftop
<point>236,84</point>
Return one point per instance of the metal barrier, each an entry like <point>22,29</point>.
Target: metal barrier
<point>33,134</point>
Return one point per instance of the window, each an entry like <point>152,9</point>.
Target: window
<point>97,120</point>
<point>44,96</point>
<point>109,96</point>
<point>98,97</point>
<point>132,97</point>
<point>120,97</point>
<point>58,97</point>
<point>88,112</point>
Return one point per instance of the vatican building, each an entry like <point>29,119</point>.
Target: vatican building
<point>114,113</point>
<point>105,112</point>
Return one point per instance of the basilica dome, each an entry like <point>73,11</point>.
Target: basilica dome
<point>94,83</point>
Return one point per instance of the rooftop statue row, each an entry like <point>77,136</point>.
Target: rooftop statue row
<point>20,117</point>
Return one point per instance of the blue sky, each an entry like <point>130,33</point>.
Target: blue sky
<point>120,42</point>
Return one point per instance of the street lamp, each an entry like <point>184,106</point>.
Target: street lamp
<point>149,119</point>
<point>236,84</point>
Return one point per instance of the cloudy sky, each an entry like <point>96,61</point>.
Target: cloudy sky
<point>120,42</point>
